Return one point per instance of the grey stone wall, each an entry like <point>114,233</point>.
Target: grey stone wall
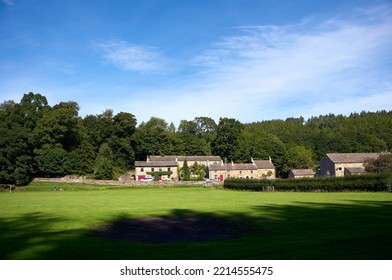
<point>83,180</point>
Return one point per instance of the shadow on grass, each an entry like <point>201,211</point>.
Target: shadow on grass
<point>358,230</point>
<point>28,236</point>
<point>169,229</point>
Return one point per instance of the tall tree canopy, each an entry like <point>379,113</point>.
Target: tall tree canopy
<point>155,138</point>
<point>40,140</point>
<point>228,133</point>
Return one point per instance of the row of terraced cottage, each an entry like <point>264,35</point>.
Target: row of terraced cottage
<point>167,167</point>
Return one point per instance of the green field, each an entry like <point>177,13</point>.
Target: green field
<point>40,223</point>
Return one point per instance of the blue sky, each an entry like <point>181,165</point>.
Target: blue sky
<point>251,60</point>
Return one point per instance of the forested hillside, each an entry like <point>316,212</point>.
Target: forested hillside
<point>40,140</point>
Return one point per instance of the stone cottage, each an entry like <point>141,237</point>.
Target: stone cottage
<point>257,169</point>
<point>168,165</point>
<point>145,169</point>
<point>265,168</point>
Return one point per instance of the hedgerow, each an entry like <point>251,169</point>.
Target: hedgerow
<point>370,182</point>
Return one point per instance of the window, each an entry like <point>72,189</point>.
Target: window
<point>168,169</point>
<point>160,169</point>
<point>240,171</point>
<point>142,169</point>
<point>152,169</point>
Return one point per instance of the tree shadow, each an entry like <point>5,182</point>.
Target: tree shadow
<point>29,235</point>
<point>168,229</point>
<point>355,230</point>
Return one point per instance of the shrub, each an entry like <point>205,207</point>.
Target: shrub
<point>156,174</point>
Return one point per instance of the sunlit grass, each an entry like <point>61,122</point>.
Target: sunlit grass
<point>39,223</point>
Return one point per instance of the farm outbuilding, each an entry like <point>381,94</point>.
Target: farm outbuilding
<point>301,173</point>
<point>335,164</point>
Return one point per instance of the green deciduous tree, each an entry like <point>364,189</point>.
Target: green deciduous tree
<point>58,126</point>
<point>383,164</point>
<point>16,156</point>
<point>228,133</point>
<point>261,145</point>
<point>187,127</point>
<point>299,157</point>
<point>122,152</point>
<point>38,140</point>
<point>198,170</point>
<point>205,128</point>
<point>124,125</point>
<point>193,145</point>
<point>185,172</point>
<point>82,159</point>
<point>104,168</point>
<point>53,162</point>
<point>154,138</point>
<point>30,110</point>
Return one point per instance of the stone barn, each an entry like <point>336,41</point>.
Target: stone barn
<point>340,164</point>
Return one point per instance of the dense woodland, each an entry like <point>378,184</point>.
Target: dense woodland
<point>38,140</point>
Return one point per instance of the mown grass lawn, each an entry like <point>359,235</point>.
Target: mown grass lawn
<point>46,224</point>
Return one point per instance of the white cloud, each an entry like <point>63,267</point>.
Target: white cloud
<point>8,2</point>
<point>132,57</point>
<point>306,69</point>
<point>260,72</point>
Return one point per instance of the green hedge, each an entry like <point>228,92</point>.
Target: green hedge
<point>156,174</point>
<point>371,182</point>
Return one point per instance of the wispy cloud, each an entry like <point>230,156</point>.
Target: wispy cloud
<point>264,72</point>
<point>8,2</point>
<point>337,65</point>
<point>131,57</point>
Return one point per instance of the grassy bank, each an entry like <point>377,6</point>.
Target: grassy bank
<point>39,223</point>
<point>61,186</point>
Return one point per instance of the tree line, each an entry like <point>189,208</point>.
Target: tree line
<point>39,140</point>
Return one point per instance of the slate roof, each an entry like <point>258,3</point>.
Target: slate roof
<point>156,164</point>
<point>229,166</point>
<point>302,172</point>
<point>183,158</point>
<point>264,164</point>
<point>355,170</point>
<point>352,157</point>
